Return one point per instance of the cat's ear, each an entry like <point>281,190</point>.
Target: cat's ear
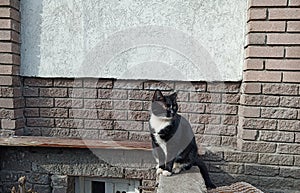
<point>173,96</point>
<point>158,96</point>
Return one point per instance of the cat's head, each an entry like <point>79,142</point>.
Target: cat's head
<point>164,106</point>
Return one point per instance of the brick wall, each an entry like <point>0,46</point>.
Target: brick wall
<point>11,102</point>
<point>119,109</point>
<point>269,125</point>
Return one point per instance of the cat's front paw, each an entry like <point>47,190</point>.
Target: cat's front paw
<point>166,173</point>
<point>159,171</point>
<point>176,170</point>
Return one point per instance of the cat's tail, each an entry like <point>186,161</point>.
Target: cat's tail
<point>203,169</point>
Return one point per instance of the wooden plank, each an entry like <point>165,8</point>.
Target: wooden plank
<point>34,141</point>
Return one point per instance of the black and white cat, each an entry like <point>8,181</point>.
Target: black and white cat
<point>173,141</point>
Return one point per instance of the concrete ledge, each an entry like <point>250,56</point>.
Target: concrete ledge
<point>190,181</point>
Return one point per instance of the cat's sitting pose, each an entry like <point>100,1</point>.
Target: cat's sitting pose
<point>173,141</point>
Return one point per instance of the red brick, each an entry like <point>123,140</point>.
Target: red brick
<point>282,64</point>
<point>128,125</point>
<point>229,120</point>
<point>8,35</point>
<point>283,39</point>
<point>192,86</point>
<point>297,137</point>
<point>191,107</point>
<point>67,82</point>
<point>251,88</point>
<point>7,92</point>
<point>249,134</point>
<point>54,112</point>
<point>9,58</point>
<point>119,115</point>
<point>266,3</point>
<point>140,95</point>
<point>205,97</point>
<point>257,13</point>
<point>264,52</point>
<point>40,82</point>
<point>275,159</point>
<point>259,147</point>
<point>128,84</point>
<point>231,98</point>
<point>223,87</point>
<point>276,136</point>
<point>279,113</point>
<point>12,123</point>
<point>68,102</point>
<point>289,148</point>
<point>284,13</point>
<point>6,69</point>
<point>229,130</point>
<point>262,76</point>
<point>40,122</point>
<point>256,39</point>
<point>139,136</point>
<point>266,124</point>
<point>294,3</point>
<point>288,101</point>
<point>6,80</point>
<point>31,112</point>
<point>84,134</point>
<point>254,64</point>
<point>288,125</point>
<point>69,123</point>
<point>266,26</point>
<point>53,92</point>
<point>11,3</point>
<point>221,109</point>
<point>153,85</point>
<point>280,89</point>
<point>204,119</point>
<point>39,102</point>
<point>97,83</point>
<point>98,104</point>
<point>240,157</point>
<point>293,26</point>
<point>293,52</point>
<point>113,135</point>
<point>212,140</point>
<point>98,124</point>
<point>229,141</point>
<point>83,113</point>
<point>7,103</point>
<point>29,91</point>
<point>9,47</point>
<point>138,116</point>
<point>246,111</point>
<point>291,77</point>
<point>6,12</point>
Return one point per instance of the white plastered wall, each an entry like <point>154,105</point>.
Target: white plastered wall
<point>134,39</point>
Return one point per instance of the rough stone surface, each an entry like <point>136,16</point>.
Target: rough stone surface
<point>189,181</point>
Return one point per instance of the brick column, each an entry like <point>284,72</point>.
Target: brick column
<point>269,106</point>
<point>11,102</point>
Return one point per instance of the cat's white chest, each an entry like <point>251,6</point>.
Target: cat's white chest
<point>158,124</point>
